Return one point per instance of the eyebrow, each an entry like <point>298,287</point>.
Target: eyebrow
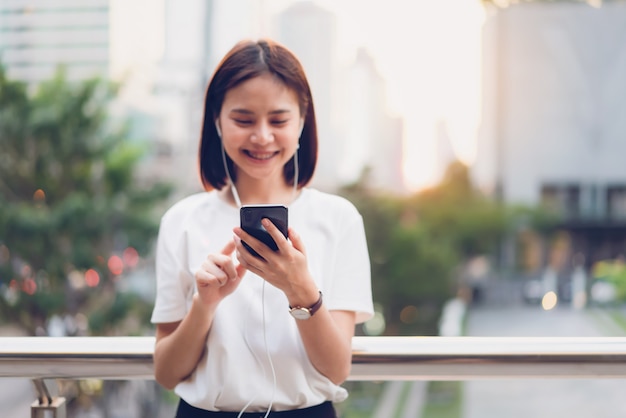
<point>248,112</point>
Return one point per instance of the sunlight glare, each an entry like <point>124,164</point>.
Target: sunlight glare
<point>549,301</point>
<point>438,88</point>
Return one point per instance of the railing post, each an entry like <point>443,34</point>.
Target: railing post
<point>46,406</point>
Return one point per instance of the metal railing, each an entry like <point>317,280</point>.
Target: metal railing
<point>374,358</point>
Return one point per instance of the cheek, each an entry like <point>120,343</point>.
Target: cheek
<point>232,151</point>
<point>290,139</point>
<point>233,141</point>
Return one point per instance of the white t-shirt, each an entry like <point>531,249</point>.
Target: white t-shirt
<point>254,320</point>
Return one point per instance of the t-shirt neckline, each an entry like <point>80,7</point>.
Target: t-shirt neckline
<point>293,204</point>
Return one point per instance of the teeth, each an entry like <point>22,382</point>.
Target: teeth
<point>261,156</point>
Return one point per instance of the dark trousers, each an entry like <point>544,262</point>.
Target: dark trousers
<point>324,410</point>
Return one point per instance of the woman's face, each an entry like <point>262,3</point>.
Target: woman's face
<point>260,123</point>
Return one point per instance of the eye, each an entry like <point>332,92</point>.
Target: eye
<point>243,121</point>
<point>279,122</point>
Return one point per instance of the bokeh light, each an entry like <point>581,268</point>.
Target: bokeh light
<point>549,301</point>
<point>408,315</point>
<point>115,264</point>
<point>130,257</point>
<point>76,279</point>
<point>27,271</point>
<point>377,324</point>
<point>29,286</point>
<point>92,278</point>
<point>39,196</point>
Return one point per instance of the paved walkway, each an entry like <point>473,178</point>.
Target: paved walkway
<point>402,399</point>
<point>573,398</point>
<point>16,396</point>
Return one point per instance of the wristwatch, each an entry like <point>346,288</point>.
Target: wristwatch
<point>300,312</point>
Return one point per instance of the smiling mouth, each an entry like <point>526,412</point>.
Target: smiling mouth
<point>261,156</point>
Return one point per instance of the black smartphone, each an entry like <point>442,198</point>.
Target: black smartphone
<point>250,218</point>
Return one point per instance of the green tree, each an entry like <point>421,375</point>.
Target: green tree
<point>69,200</point>
<point>417,244</point>
<point>457,211</point>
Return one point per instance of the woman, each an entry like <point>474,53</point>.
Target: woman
<point>225,339</point>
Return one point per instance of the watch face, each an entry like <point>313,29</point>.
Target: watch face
<point>300,313</point>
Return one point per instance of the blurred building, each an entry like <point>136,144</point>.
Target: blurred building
<point>309,31</point>
<point>38,35</point>
<point>445,150</point>
<point>554,127</point>
<point>159,51</point>
<point>373,138</point>
<point>183,72</point>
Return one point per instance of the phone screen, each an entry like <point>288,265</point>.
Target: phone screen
<point>251,216</point>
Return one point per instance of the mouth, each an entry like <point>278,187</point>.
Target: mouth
<point>260,156</point>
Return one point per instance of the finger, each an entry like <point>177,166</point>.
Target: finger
<point>220,267</point>
<point>222,263</point>
<point>256,244</point>
<point>274,232</point>
<point>296,241</point>
<point>228,265</point>
<point>241,270</point>
<point>229,248</point>
<point>206,279</point>
<point>248,262</point>
<point>230,270</point>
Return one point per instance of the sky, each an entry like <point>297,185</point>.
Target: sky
<point>428,51</point>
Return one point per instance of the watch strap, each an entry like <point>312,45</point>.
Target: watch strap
<point>311,309</point>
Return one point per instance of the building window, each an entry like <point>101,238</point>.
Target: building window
<point>616,202</point>
<point>563,199</point>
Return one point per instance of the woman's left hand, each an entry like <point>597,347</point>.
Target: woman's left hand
<point>286,268</point>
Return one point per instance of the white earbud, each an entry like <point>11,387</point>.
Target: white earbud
<point>217,127</point>
<point>301,128</point>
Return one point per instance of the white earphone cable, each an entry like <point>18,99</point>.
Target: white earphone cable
<point>269,358</point>
<point>267,352</point>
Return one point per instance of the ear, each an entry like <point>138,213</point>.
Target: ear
<point>217,127</point>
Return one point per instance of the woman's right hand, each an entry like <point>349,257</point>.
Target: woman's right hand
<point>180,345</point>
<point>218,276</point>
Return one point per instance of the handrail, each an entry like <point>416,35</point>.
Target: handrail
<point>374,358</point>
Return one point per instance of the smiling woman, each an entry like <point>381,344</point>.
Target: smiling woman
<point>260,124</point>
<point>225,312</point>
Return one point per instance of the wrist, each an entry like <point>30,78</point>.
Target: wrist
<point>200,306</point>
<point>306,312</point>
<point>303,295</point>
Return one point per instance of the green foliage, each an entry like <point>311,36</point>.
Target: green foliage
<point>416,244</point>
<point>614,272</point>
<point>68,196</point>
<point>116,310</point>
<point>443,400</point>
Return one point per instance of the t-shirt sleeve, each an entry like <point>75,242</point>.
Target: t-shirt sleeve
<point>173,281</point>
<point>351,287</point>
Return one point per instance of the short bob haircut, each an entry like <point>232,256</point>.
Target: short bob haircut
<point>249,59</point>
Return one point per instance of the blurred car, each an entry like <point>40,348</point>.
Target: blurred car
<point>533,291</point>
<point>603,292</point>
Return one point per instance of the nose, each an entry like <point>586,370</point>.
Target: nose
<point>263,135</point>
